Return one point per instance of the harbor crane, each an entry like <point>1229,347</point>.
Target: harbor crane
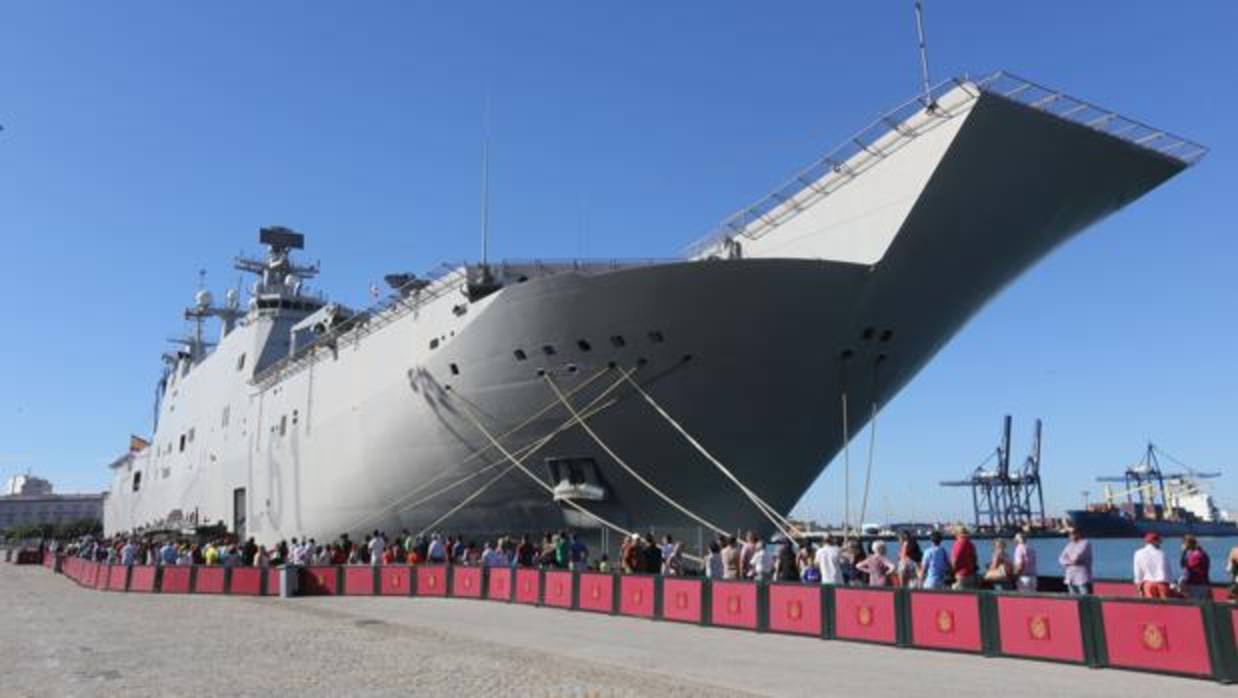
<point>1148,479</point>
<point>1002,499</point>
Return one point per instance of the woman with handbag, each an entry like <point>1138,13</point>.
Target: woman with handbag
<point>1000,571</point>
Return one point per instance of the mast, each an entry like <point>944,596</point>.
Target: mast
<point>924,69</point>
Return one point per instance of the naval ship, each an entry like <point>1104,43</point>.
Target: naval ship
<point>724,380</point>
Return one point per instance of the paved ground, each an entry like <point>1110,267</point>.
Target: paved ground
<point>57,639</point>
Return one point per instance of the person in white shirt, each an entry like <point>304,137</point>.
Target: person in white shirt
<point>762,563</point>
<point>1152,571</point>
<point>827,561</point>
<point>436,553</point>
<point>378,544</point>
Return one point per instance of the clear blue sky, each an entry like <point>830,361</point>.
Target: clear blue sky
<point>143,141</point>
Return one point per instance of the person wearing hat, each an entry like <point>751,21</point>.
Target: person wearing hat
<point>1152,573</point>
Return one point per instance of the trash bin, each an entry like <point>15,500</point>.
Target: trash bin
<point>289,581</point>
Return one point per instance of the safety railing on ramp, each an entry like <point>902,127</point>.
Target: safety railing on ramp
<point>896,127</point>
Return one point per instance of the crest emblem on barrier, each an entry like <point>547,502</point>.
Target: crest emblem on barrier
<point>733,604</point>
<point>558,588</point>
<point>864,615</point>
<point>431,581</point>
<point>468,582</point>
<point>528,586</point>
<point>681,600</point>
<point>945,621</point>
<point>638,596</point>
<point>1154,637</point>
<point>795,609</point>
<point>595,592</point>
<point>1038,627</point>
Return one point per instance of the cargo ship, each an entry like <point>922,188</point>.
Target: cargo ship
<point>1170,504</point>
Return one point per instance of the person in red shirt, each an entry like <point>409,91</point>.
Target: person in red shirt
<point>1195,564</point>
<point>963,560</point>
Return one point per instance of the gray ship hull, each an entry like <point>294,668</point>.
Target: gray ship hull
<point>752,355</point>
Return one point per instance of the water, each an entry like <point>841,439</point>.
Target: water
<point>1111,557</point>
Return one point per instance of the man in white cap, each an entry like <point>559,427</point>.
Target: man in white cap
<point>1152,571</point>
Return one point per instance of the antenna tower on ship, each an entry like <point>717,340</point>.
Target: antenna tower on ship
<point>924,69</point>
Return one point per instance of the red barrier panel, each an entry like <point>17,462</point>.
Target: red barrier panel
<point>499,584</point>
<point>681,599</point>
<point>558,591</point>
<point>359,580</point>
<point>119,579</point>
<point>1115,589</point>
<point>945,621</point>
<point>734,605</point>
<point>597,592</point>
<point>102,580</point>
<point>795,608</point>
<point>432,581</point>
<point>466,582</point>
<point>209,580</point>
<point>395,580</point>
<point>1041,627</point>
<point>636,596</point>
<point>272,575</point>
<point>246,581</point>
<point>865,615</point>
<point>321,581</point>
<point>175,580</point>
<point>142,578</point>
<point>1160,636</point>
<point>87,578</point>
<point>528,586</point>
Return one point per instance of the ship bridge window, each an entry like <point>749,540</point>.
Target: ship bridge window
<point>182,448</point>
<point>240,362</point>
<point>283,425</point>
<point>455,370</point>
<point>137,481</point>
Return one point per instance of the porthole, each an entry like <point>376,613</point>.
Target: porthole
<point>455,370</point>
<point>617,341</point>
<point>434,343</point>
<point>656,337</point>
<point>583,345</point>
<point>868,333</point>
<point>548,350</point>
<point>886,335</point>
<point>520,355</point>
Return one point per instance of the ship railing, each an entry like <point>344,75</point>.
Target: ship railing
<point>559,265</point>
<point>1061,105</point>
<point>840,166</point>
<point>444,279</point>
<point>894,128</point>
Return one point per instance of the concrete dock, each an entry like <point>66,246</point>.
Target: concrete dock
<point>57,639</point>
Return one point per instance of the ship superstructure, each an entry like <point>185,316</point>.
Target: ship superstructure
<point>439,406</point>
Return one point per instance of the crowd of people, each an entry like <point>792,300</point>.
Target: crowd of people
<point>1012,565</point>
